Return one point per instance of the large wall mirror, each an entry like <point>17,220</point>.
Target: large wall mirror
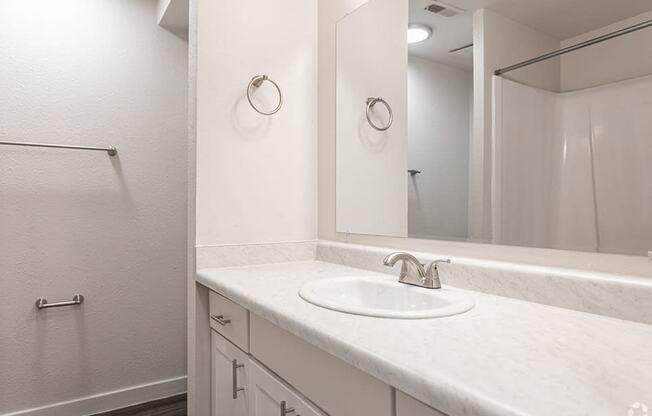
<point>514,122</point>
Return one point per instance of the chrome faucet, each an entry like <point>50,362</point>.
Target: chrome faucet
<point>413,272</point>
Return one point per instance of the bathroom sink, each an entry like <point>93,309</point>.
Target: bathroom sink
<point>385,298</point>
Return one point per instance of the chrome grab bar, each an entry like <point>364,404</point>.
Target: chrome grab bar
<point>111,151</point>
<point>371,102</point>
<point>236,389</point>
<point>42,303</point>
<point>257,81</point>
<point>220,319</point>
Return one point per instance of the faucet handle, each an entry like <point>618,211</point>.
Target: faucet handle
<point>432,267</point>
<point>432,273</point>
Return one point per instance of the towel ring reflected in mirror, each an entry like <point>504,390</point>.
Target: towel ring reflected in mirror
<point>371,102</point>
<point>256,82</point>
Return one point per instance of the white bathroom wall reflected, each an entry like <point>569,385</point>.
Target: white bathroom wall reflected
<point>371,165</point>
<point>439,121</point>
<point>519,164</point>
<point>579,159</point>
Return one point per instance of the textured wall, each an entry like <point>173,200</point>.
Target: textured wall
<point>95,72</point>
<point>256,174</point>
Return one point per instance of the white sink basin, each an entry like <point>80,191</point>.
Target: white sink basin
<point>385,298</point>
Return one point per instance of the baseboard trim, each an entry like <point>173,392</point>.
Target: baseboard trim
<point>111,400</point>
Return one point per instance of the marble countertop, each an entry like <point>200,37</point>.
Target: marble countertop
<point>504,357</point>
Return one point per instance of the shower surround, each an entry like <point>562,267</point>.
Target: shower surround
<point>566,165</point>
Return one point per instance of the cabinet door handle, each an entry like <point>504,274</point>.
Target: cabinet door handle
<point>236,389</point>
<point>286,410</point>
<point>220,319</point>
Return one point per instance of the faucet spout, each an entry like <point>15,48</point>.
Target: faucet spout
<point>413,272</point>
<point>407,258</point>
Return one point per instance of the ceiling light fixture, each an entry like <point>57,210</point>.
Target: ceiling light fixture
<point>418,33</point>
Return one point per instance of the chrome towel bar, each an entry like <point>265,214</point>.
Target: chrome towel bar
<point>42,303</point>
<point>111,151</point>
<point>371,102</point>
<point>256,82</point>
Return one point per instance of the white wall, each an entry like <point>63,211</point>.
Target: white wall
<point>329,12</point>
<point>439,112</point>
<point>198,332</point>
<point>114,229</point>
<point>174,16</point>
<point>371,165</point>
<point>625,57</point>
<point>256,175</point>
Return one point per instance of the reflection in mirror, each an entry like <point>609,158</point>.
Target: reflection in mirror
<point>551,151</point>
<point>372,163</point>
<point>440,98</point>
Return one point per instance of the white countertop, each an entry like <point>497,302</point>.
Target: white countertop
<point>504,357</point>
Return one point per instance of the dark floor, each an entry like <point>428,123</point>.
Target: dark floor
<point>170,406</point>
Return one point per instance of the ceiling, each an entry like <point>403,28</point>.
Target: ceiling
<point>562,19</point>
<point>447,33</point>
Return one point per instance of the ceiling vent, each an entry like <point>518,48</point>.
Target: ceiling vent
<point>443,9</point>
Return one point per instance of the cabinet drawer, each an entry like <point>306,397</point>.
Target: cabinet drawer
<point>229,319</point>
<point>333,385</point>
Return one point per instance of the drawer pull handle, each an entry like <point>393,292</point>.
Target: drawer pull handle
<point>236,389</point>
<point>286,410</point>
<point>220,319</point>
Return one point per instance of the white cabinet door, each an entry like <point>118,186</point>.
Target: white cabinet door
<point>269,396</point>
<point>229,371</point>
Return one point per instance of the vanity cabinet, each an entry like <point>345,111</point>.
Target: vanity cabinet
<point>259,369</point>
<point>334,385</point>
<point>269,396</point>
<point>409,406</point>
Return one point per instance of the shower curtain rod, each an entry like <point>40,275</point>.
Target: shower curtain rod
<point>575,47</point>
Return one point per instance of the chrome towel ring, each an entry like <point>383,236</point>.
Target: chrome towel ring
<point>256,82</point>
<point>371,102</point>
